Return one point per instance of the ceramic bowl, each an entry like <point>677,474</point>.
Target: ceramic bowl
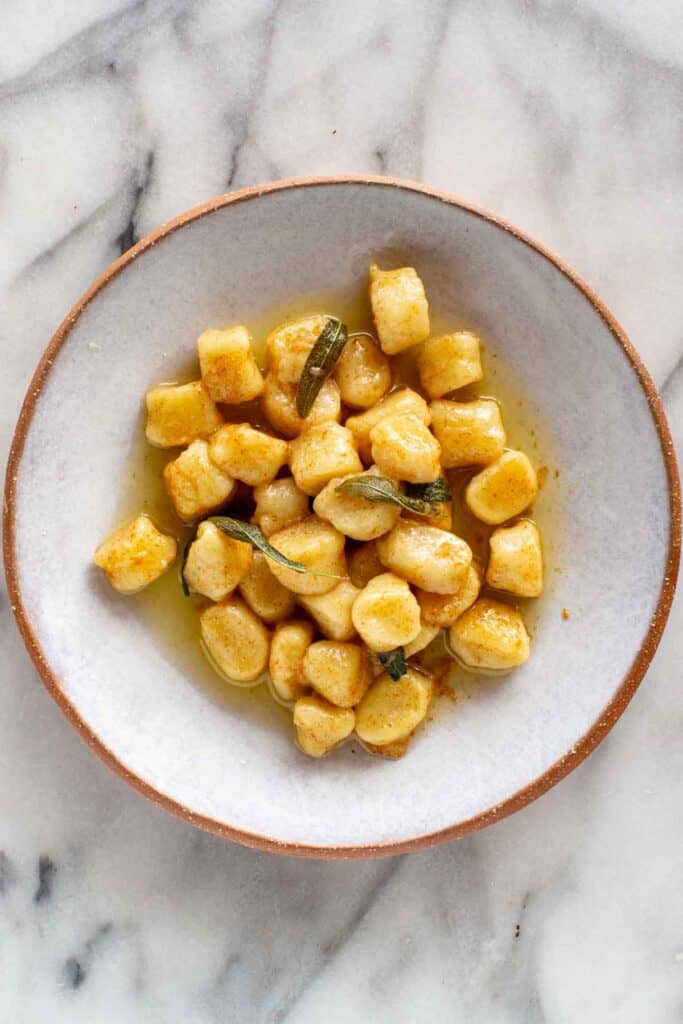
<point>615,501</point>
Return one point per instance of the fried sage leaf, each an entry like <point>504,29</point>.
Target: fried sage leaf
<point>394,662</point>
<point>437,490</point>
<point>249,534</point>
<point>320,363</point>
<point>379,489</point>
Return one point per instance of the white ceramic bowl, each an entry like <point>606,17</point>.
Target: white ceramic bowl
<point>617,496</point>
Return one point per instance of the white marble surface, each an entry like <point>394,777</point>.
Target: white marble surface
<point>563,116</point>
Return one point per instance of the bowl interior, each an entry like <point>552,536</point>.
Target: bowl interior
<point>610,500</point>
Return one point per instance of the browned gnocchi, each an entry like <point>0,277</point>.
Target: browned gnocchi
<point>350,515</point>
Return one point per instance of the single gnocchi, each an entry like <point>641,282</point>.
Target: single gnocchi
<point>278,504</point>
<point>503,490</point>
<point>491,636</point>
<point>264,594</point>
<point>216,563</point>
<point>279,406</point>
<point>228,366</point>
<point>403,447</point>
<point>135,555</point>
<point>339,672</point>
<point>400,308</point>
<point>392,709</point>
<point>236,640</point>
<point>386,613</point>
<point>332,611</point>
<point>195,485</point>
<point>469,433</point>
<point>179,414</point>
<point>443,609</point>
<point>348,505</point>
<point>288,649</point>
<point>289,345</point>
<point>320,725</point>
<point>516,560</point>
<point>363,372</point>
<point>426,556</point>
<point>322,452</point>
<point>247,454</point>
<point>450,362</point>
<point>315,545</point>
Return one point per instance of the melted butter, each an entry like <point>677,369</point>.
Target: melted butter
<point>173,620</point>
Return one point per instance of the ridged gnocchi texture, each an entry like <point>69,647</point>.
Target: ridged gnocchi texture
<point>135,555</point>
<point>376,582</point>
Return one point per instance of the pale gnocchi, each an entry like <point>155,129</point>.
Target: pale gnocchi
<point>324,483</point>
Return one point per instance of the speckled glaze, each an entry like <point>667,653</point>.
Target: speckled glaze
<point>619,495</point>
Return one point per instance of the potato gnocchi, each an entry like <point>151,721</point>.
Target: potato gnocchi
<point>349,515</point>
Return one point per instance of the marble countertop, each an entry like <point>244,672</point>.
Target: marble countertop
<point>565,117</point>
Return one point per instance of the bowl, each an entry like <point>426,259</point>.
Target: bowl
<point>612,491</point>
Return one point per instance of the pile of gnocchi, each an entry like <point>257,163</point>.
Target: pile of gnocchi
<point>322,552</point>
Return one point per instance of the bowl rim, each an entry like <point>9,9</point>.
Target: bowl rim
<point>516,801</point>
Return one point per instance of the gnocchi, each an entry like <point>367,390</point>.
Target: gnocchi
<point>195,485</point>
<point>179,414</point>
<point>135,555</point>
<point>215,563</point>
<point>502,490</point>
<point>490,635</point>
<point>228,365</point>
<point>342,504</point>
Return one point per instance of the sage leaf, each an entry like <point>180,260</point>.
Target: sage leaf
<point>379,489</point>
<point>394,662</point>
<point>249,534</point>
<point>437,490</point>
<point>320,363</point>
